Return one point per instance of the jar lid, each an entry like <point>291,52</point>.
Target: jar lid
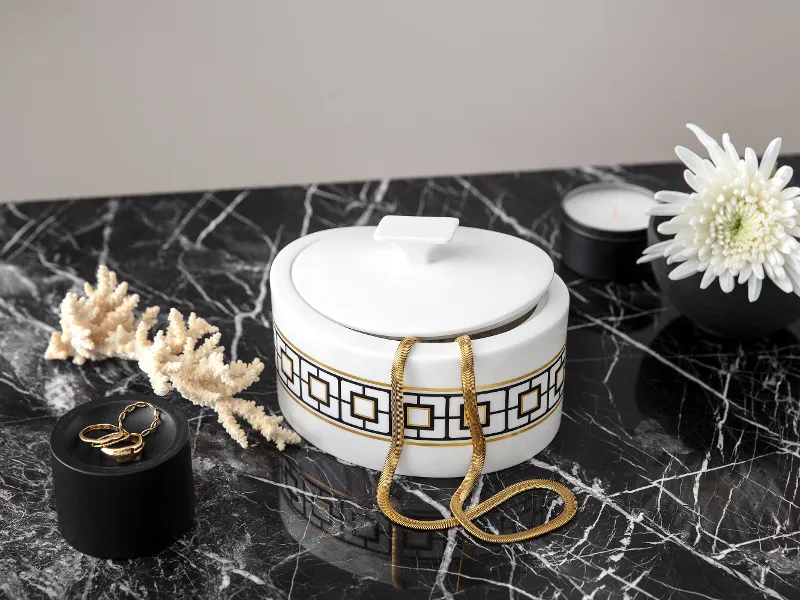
<point>421,276</point>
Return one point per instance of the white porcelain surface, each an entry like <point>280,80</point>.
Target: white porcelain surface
<point>417,238</point>
<point>477,281</point>
<point>334,382</point>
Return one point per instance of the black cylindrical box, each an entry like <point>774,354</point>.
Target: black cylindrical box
<point>122,510</point>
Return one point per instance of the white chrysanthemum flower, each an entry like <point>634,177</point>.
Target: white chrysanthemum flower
<point>739,222</point>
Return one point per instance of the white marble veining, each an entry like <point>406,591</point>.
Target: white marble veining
<point>683,451</point>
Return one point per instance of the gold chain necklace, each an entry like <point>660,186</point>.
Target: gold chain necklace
<point>460,516</point>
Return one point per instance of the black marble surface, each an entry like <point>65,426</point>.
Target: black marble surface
<point>682,449</point>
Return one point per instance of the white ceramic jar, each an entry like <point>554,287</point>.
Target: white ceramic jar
<point>343,298</point>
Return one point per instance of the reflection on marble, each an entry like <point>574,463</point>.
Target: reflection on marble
<point>682,449</point>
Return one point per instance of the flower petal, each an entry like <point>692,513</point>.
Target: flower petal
<point>782,177</point>
<point>769,158</point>
<point>730,149</point>
<point>685,270</point>
<point>721,160</point>
<point>694,182</point>
<point>683,255</point>
<point>658,247</point>
<point>744,274</point>
<point>753,288</point>
<point>673,248</point>
<point>726,282</point>
<point>646,258</point>
<point>784,283</point>
<point>793,261</point>
<point>778,278</point>
<point>703,137</point>
<point>788,245</point>
<point>674,225</point>
<point>794,277</point>
<point>664,210</point>
<point>750,161</point>
<point>675,197</point>
<point>690,159</point>
<point>708,278</point>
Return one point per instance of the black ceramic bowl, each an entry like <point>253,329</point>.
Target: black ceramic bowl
<point>729,315</point>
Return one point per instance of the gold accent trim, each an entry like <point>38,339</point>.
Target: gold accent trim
<point>561,371</point>
<point>462,418</point>
<point>325,400</point>
<point>373,417</point>
<point>485,416</point>
<point>538,391</point>
<point>381,438</point>
<point>284,358</point>
<point>428,410</point>
<point>318,483</point>
<point>416,389</point>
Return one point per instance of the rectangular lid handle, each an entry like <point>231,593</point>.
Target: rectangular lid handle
<point>416,237</point>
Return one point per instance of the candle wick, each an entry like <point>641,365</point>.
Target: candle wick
<point>614,208</point>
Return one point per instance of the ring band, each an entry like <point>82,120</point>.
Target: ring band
<point>117,435</point>
<point>126,453</point>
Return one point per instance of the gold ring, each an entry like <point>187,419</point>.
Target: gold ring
<point>126,453</point>
<point>132,407</point>
<point>117,435</point>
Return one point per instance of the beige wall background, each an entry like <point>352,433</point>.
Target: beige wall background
<point>106,98</point>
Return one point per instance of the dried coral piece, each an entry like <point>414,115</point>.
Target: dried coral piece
<point>268,425</point>
<point>173,360</point>
<point>101,324</point>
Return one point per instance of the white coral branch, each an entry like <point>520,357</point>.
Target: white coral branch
<point>200,374</point>
<point>102,325</point>
<point>269,426</point>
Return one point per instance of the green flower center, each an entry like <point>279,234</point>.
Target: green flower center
<point>736,225</point>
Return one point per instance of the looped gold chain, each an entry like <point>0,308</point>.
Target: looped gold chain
<point>460,516</point>
<point>132,407</point>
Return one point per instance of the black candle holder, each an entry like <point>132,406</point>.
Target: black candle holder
<point>602,254</point>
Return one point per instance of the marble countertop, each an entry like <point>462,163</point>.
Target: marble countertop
<point>682,450</point>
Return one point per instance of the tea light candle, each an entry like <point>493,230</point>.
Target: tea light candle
<point>605,230</point>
